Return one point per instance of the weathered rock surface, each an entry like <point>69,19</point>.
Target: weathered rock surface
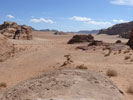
<point>96,43</point>
<point>130,42</point>
<point>81,39</point>
<point>65,85</point>
<point>9,29</point>
<point>119,29</point>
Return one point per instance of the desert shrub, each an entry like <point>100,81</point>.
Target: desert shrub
<point>130,89</point>
<point>1,60</point>
<point>111,73</point>
<point>131,60</point>
<point>81,67</point>
<point>118,41</point>
<point>127,51</point>
<point>3,84</point>
<point>127,57</point>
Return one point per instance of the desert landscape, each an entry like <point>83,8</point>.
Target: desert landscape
<point>66,50</point>
<point>48,52</point>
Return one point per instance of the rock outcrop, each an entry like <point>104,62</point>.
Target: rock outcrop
<point>81,39</point>
<point>96,43</point>
<point>9,29</point>
<point>119,29</point>
<point>130,42</point>
<point>65,85</point>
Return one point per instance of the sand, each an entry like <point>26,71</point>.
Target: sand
<point>46,52</point>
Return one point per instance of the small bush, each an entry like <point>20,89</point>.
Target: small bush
<point>131,60</point>
<point>127,51</point>
<point>3,84</point>
<point>130,89</point>
<point>1,60</point>
<point>127,57</point>
<point>111,73</point>
<point>81,67</point>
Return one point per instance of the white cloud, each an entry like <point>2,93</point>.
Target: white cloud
<point>78,18</point>
<point>10,16</point>
<point>100,23</point>
<point>122,2</point>
<point>42,20</point>
<point>90,21</point>
<point>119,21</point>
<point>32,16</point>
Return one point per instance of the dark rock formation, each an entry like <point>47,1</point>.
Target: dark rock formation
<point>130,42</point>
<point>81,39</point>
<point>95,43</point>
<point>118,41</point>
<point>9,29</point>
<point>118,29</point>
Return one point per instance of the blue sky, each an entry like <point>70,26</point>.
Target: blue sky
<point>67,15</point>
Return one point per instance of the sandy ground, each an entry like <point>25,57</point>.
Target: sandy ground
<point>46,52</point>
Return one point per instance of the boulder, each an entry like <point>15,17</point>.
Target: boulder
<point>81,39</point>
<point>67,84</point>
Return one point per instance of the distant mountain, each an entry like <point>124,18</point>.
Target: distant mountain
<point>88,32</point>
<point>33,28</point>
<point>122,29</point>
<point>48,30</point>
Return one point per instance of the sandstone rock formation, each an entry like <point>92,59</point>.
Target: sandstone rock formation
<point>81,39</point>
<point>65,85</point>
<point>130,42</point>
<point>9,29</point>
<point>119,29</point>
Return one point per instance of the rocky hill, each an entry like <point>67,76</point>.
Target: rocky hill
<point>88,32</point>
<point>122,29</point>
<point>65,85</point>
<point>9,29</point>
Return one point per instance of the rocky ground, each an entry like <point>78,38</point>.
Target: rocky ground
<point>46,53</point>
<point>65,85</point>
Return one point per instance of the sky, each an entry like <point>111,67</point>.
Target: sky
<point>67,15</point>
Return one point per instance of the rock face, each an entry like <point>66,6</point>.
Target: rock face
<point>9,29</point>
<point>65,85</point>
<point>130,42</point>
<point>6,48</point>
<point>81,39</point>
<point>96,43</point>
<point>120,29</point>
